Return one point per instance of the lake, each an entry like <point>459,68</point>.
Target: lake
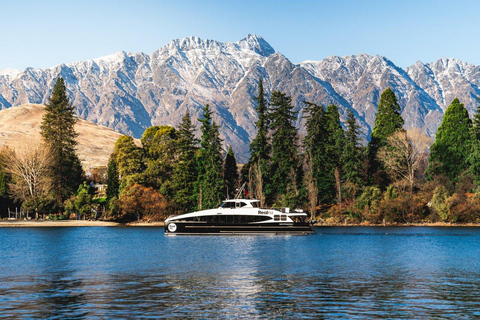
<point>351,272</point>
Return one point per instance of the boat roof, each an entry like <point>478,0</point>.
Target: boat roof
<point>241,200</point>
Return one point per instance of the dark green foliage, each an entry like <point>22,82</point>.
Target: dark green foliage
<point>387,121</point>
<point>57,129</point>
<point>450,152</point>
<point>352,157</point>
<point>230,173</point>
<point>210,164</point>
<point>81,203</point>
<point>316,142</point>
<point>185,171</point>
<point>113,184</point>
<point>285,162</point>
<point>334,149</point>
<point>474,157</point>
<point>260,146</point>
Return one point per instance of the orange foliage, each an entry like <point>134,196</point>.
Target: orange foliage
<point>143,203</point>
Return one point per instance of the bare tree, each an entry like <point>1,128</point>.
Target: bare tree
<point>28,164</point>
<point>405,154</point>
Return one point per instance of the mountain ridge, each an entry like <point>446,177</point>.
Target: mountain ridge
<point>129,92</point>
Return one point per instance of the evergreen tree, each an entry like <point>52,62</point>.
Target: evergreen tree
<point>387,121</point>
<point>315,144</point>
<point>57,129</point>
<point>210,182</point>
<point>474,157</point>
<point>334,149</point>
<point>113,184</point>
<point>260,148</point>
<point>352,157</point>
<point>450,151</point>
<point>230,173</point>
<point>185,171</point>
<point>285,163</point>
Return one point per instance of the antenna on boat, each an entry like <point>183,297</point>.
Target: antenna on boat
<point>240,191</point>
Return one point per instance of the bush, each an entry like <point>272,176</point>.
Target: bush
<point>439,202</point>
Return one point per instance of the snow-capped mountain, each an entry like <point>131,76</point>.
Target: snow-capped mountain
<point>132,91</point>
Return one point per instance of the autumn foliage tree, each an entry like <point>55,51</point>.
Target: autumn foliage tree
<point>142,203</point>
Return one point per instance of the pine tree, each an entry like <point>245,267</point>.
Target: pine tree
<point>387,121</point>
<point>352,158</point>
<point>260,149</point>
<point>210,182</point>
<point>451,149</point>
<point>113,184</point>
<point>285,163</point>
<point>334,149</point>
<point>185,172</point>
<point>474,157</point>
<point>230,173</point>
<point>57,130</point>
<point>315,144</point>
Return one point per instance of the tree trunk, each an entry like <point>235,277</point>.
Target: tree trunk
<point>338,185</point>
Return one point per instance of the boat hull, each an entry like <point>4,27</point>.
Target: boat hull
<point>189,228</point>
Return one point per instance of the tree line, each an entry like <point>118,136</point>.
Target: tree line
<point>399,176</point>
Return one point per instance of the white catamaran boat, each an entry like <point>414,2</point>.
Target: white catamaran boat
<point>239,216</point>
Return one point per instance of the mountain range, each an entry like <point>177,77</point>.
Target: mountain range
<point>129,92</point>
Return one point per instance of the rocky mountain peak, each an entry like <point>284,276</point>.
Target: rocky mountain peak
<point>257,44</point>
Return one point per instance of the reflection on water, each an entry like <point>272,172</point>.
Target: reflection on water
<point>336,273</point>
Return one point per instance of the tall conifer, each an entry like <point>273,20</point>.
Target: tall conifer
<point>352,158</point>
<point>185,172</point>
<point>210,183</point>
<point>451,149</point>
<point>260,147</point>
<point>230,173</point>
<point>285,163</point>
<point>387,121</point>
<point>334,149</point>
<point>315,144</point>
<point>58,132</point>
<point>474,157</point>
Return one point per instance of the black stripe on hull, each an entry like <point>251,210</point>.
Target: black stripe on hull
<point>216,229</point>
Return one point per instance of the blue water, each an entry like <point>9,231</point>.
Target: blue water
<point>347,273</point>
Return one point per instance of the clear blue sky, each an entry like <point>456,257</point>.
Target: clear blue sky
<point>46,33</point>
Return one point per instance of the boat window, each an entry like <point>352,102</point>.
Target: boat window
<point>256,204</point>
<point>283,217</point>
<point>240,204</point>
<point>276,217</point>
<point>233,219</point>
<point>228,205</point>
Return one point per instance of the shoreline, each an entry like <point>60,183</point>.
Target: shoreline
<point>72,223</point>
<point>86,223</point>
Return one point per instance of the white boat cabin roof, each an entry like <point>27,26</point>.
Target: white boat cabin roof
<point>240,203</point>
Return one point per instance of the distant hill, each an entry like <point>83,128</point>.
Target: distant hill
<point>95,143</point>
